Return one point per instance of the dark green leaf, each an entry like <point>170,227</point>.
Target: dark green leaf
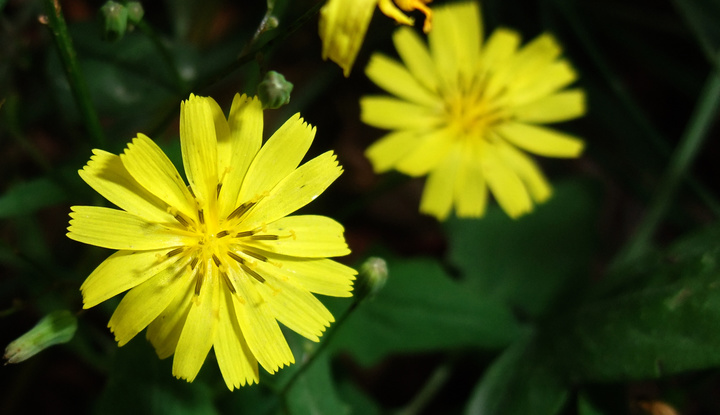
<point>314,392</point>
<point>422,309</point>
<point>666,325</point>
<point>29,197</point>
<point>528,262</point>
<point>519,382</point>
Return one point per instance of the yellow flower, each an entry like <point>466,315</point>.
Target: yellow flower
<point>343,24</point>
<point>218,263</point>
<point>465,112</point>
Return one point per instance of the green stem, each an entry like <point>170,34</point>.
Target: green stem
<point>437,380</point>
<point>57,26</point>
<point>317,352</point>
<point>690,143</point>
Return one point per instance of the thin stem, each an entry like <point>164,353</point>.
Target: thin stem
<point>57,26</point>
<point>690,143</point>
<point>435,383</point>
<point>326,341</point>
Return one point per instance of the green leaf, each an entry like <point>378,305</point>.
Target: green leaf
<point>28,197</point>
<point>140,383</point>
<point>422,309</point>
<point>529,262</point>
<point>518,383</point>
<point>314,392</point>
<point>664,322</point>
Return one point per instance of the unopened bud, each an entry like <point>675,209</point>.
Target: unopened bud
<point>114,18</point>
<point>55,328</point>
<point>274,91</point>
<point>135,11</point>
<point>371,278</point>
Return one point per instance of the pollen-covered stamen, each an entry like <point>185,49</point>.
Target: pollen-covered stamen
<point>251,272</point>
<point>217,190</point>
<point>241,210</point>
<point>180,218</point>
<point>199,280</point>
<point>175,252</point>
<point>216,260</point>
<point>254,255</point>
<point>194,262</point>
<point>226,278</point>
<point>236,257</point>
<point>201,216</point>
<point>222,234</point>
<point>244,234</point>
<point>264,237</point>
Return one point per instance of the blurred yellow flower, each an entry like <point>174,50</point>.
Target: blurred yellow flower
<point>464,112</point>
<point>343,24</point>
<point>218,263</point>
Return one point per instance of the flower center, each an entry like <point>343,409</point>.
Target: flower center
<point>472,112</point>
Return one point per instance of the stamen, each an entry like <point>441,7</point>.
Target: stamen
<point>182,220</point>
<point>241,210</point>
<point>251,272</point>
<point>174,252</point>
<point>236,257</point>
<point>194,263</point>
<point>265,237</point>
<point>199,281</point>
<point>201,216</point>
<point>229,283</point>
<point>191,191</point>
<point>221,234</point>
<point>244,234</point>
<point>217,192</point>
<point>255,255</point>
<point>216,260</point>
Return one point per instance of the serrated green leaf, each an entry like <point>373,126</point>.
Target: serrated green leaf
<point>422,309</point>
<point>528,262</point>
<point>518,383</point>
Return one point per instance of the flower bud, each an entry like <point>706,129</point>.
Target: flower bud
<point>135,11</point>
<point>371,278</point>
<point>274,91</point>
<point>55,328</point>
<point>114,18</point>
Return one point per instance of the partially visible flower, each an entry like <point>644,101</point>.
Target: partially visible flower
<point>465,112</point>
<point>216,264</point>
<point>55,328</point>
<point>343,24</point>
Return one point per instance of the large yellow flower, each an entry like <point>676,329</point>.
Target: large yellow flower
<point>343,24</point>
<point>464,112</point>
<point>218,263</point>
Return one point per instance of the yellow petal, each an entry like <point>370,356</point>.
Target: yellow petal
<point>222,137</point>
<point>385,153</point>
<point>108,176</point>
<point>544,82</point>
<point>429,151</point>
<point>246,126</point>
<point>279,157</point>
<point>120,272</point>
<point>258,324</point>
<point>295,191</point>
<point>144,303</point>
<point>164,332</point>
<point>455,41</point>
<point>306,236</point>
<point>437,197</point>
<point>388,8</point>
<point>198,332</point>
<point>199,147</point>
<point>321,276</point>
<point>470,187</point>
<point>495,60</point>
<point>392,113</point>
<point>395,79</point>
<point>292,305</point>
<point>150,167</point>
<point>561,106</point>
<point>505,185</point>
<point>342,28</point>
<point>237,363</point>
<point>415,55</point>
<point>117,229</point>
<point>540,140</point>
<point>527,170</point>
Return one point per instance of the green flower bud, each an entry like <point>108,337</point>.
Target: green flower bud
<point>55,328</point>
<point>114,18</point>
<point>135,11</point>
<point>274,91</point>
<point>371,278</point>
